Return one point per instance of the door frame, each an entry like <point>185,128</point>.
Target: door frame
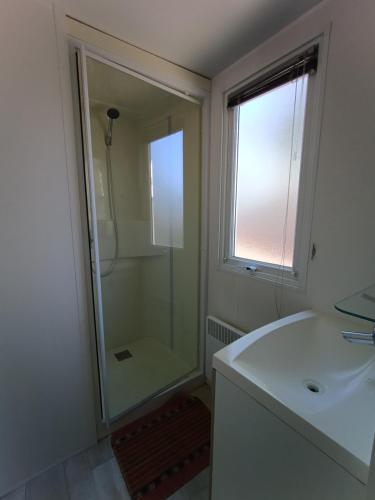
<point>129,66</point>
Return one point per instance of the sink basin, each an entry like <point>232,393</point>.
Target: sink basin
<point>303,371</point>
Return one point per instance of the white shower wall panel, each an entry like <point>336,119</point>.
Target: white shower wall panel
<point>168,280</point>
<point>121,290</point>
<point>121,309</point>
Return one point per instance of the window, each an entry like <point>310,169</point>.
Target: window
<point>266,141</point>
<point>167,183</point>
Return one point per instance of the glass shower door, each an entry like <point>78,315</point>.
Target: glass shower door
<point>142,173</point>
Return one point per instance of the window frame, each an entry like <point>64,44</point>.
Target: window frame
<point>277,274</point>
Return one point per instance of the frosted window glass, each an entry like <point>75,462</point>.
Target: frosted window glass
<point>270,132</point>
<point>167,197</point>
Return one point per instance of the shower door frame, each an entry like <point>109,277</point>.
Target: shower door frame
<point>79,51</point>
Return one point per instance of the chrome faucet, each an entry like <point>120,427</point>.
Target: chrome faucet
<point>360,337</point>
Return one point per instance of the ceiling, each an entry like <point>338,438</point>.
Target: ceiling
<point>205,36</point>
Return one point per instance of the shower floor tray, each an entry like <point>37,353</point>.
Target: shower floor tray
<point>149,368</point>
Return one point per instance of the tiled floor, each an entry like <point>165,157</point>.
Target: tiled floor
<point>94,475</point>
<point>203,392</point>
<point>197,489</point>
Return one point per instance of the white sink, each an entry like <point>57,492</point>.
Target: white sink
<point>302,370</point>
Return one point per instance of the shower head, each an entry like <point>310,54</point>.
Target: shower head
<point>113,113</point>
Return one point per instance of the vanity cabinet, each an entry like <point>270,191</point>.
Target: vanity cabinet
<point>257,456</point>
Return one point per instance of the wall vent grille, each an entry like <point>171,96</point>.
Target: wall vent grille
<point>224,333</point>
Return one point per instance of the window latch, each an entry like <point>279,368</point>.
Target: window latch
<point>252,268</point>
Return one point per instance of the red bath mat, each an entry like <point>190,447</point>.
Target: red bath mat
<point>165,449</point>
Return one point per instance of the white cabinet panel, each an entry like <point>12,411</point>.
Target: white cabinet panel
<point>257,456</point>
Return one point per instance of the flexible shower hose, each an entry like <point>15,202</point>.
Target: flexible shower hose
<point>112,211</point>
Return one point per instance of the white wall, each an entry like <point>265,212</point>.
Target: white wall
<point>343,216</point>
<point>46,397</point>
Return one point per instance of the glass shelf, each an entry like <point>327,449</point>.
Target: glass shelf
<point>360,304</point>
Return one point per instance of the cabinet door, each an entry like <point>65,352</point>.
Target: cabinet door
<point>45,407</point>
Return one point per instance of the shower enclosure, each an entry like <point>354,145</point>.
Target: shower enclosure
<point>142,176</point>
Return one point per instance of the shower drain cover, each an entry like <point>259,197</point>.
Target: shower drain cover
<point>121,355</point>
